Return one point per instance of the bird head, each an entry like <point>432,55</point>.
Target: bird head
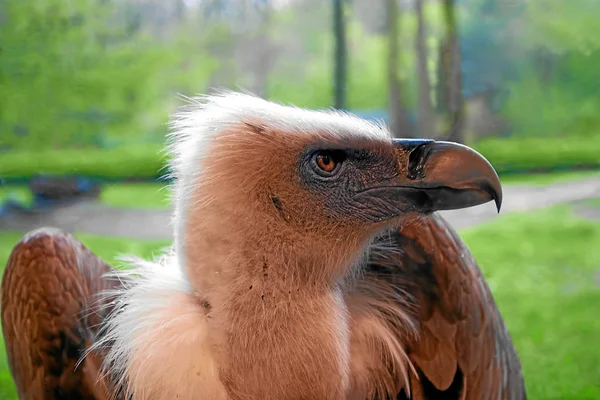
<point>260,175</point>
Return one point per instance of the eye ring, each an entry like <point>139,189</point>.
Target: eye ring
<point>327,162</point>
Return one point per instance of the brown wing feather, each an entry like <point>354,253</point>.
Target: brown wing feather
<point>457,343</point>
<point>50,315</point>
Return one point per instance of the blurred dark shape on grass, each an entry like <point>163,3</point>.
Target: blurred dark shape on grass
<point>47,192</point>
<point>63,189</point>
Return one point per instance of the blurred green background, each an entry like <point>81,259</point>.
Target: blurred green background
<point>87,87</point>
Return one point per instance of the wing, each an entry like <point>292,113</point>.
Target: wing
<point>50,316</point>
<point>439,330</point>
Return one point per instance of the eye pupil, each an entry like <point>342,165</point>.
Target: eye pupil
<point>326,161</point>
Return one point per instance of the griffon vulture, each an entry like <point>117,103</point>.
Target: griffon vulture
<point>308,263</point>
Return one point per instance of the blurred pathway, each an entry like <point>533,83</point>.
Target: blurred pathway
<point>522,198</point>
<point>97,218</point>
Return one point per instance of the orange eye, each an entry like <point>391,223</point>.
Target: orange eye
<point>325,162</point>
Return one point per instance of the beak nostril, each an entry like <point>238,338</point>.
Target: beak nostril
<point>451,175</point>
<point>416,160</point>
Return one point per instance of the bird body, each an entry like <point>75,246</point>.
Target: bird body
<point>307,264</point>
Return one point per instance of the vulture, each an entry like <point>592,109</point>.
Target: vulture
<point>308,262</point>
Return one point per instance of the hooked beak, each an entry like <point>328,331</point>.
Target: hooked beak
<point>438,176</point>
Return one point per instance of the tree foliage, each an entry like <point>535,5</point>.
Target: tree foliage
<point>99,73</point>
<point>73,73</point>
<point>556,92</point>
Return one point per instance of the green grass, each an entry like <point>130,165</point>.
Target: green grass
<point>543,269</point>
<point>136,195</point>
<point>522,153</point>
<point>547,178</point>
<point>122,162</point>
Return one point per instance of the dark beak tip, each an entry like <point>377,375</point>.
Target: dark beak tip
<point>493,187</point>
<point>494,191</point>
<point>498,201</point>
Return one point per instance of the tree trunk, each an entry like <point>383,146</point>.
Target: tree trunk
<point>425,112</point>
<point>440,87</point>
<point>179,10</point>
<point>340,58</point>
<point>453,75</point>
<point>265,50</point>
<point>398,116</point>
